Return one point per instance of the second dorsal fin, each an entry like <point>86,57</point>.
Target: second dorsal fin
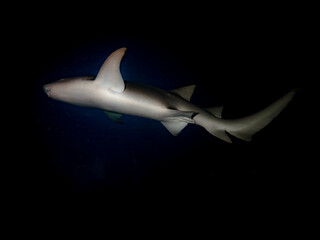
<point>184,92</point>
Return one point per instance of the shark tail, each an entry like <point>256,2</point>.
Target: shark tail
<point>245,128</point>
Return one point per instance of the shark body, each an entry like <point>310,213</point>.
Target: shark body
<point>109,92</point>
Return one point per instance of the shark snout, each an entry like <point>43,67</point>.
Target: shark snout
<point>47,89</point>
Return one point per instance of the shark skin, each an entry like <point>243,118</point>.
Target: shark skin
<point>110,93</point>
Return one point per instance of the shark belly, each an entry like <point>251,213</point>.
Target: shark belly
<point>142,101</point>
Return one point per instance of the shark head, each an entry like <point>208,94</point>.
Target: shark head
<point>82,90</point>
<point>68,89</point>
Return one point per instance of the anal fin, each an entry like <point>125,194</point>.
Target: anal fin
<point>242,135</point>
<point>216,111</point>
<point>220,134</point>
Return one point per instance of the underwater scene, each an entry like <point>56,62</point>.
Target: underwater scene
<point>81,152</point>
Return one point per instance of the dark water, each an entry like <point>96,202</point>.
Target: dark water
<point>78,152</point>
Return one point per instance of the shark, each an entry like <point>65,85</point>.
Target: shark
<point>109,92</point>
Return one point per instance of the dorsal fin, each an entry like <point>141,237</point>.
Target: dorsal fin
<point>109,75</point>
<point>184,92</point>
<point>216,111</point>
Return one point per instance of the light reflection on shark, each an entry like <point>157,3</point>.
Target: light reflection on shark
<point>109,92</point>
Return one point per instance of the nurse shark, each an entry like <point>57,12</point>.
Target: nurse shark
<point>109,92</point>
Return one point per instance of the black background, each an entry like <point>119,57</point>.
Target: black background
<point>242,59</point>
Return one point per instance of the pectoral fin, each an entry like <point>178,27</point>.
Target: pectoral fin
<point>114,116</point>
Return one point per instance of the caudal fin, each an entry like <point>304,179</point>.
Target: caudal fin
<point>245,128</point>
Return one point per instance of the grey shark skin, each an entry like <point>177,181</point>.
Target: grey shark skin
<point>109,92</point>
